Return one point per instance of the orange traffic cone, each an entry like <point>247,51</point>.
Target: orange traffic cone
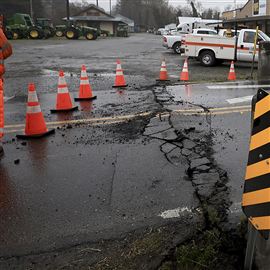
<point>119,79</point>
<point>184,74</point>
<point>35,126</point>
<point>163,75</point>
<point>85,92</point>
<point>232,76</point>
<point>64,100</point>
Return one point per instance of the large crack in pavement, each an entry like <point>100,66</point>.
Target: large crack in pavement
<point>191,147</point>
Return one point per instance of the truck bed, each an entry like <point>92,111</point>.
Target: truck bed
<point>222,46</point>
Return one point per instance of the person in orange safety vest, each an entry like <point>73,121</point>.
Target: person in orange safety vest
<point>5,52</point>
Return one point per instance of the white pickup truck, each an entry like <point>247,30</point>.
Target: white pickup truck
<point>174,42</point>
<point>211,50</point>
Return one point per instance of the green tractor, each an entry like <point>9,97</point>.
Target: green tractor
<point>47,26</point>
<point>21,26</point>
<point>60,30</point>
<point>73,31</point>
<point>103,33</point>
<point>122,30</point>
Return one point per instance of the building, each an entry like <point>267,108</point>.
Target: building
<point>254,13</point>
<point>96,17</point>
<point>129,22</point>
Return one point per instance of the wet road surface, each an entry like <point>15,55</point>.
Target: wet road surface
<point>120,163</point>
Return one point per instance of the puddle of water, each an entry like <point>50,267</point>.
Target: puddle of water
<point>174,213</point>
<point>50,72</point>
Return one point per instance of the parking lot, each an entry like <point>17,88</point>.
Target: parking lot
<point>125,179</point>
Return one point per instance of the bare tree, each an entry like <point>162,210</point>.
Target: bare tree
<point>147,13</point>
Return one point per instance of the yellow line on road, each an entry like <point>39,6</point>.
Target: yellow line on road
<point>217,113</point>
<point>55,126</point>
<point>88,120</point>
<point>214,109</point>
<point>117,119</point>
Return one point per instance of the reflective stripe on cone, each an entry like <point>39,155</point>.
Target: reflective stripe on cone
<point>85,90</point>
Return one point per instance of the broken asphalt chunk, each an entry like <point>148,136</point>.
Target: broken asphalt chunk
<point>205,178</point>
<point>168,135</point>
<point>198,162</point>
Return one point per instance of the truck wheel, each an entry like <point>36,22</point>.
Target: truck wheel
<point>34,34</point>
<point>9,34</point>
<point>59,33</point>
<point>208,58</point>
<point>177,47</point>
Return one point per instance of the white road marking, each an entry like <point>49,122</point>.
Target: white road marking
<point>8,98</point>
<point>174,76</point>
<point>238,86</point>
<point>240,99</point>
<point>174,213</point>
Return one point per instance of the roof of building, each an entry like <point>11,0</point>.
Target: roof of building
<point>125,19</point>
<point>95,18</point>
<point>248,19</point>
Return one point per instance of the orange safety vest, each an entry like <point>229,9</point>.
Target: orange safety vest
<point>5,51</point>
<point>1,109</point>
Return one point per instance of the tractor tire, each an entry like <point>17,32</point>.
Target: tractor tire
<point>95,35</point>
<point>90,36</point>
<point>52,30</point>
<point>59,33</point>
<point>16,34</point>
<point>72,33</point>
<point>34,34</point>
<point>9,34</point>
<point>47,33</point>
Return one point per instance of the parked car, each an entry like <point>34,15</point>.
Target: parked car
<point>162,31</point>
<point>176,32</point>
<point>211,50</point>
<point>175,42</point>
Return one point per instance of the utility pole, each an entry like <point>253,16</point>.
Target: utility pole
<point>97,3</point>
<point>31,9</point>
<point>68,15</point>
<point>110,7</point>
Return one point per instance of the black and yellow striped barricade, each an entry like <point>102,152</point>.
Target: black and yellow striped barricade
<point>256,196</point>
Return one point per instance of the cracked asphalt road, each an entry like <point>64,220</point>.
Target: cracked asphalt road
<point>106,186</point>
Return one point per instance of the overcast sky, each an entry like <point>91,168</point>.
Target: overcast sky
<point>206,3</point>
